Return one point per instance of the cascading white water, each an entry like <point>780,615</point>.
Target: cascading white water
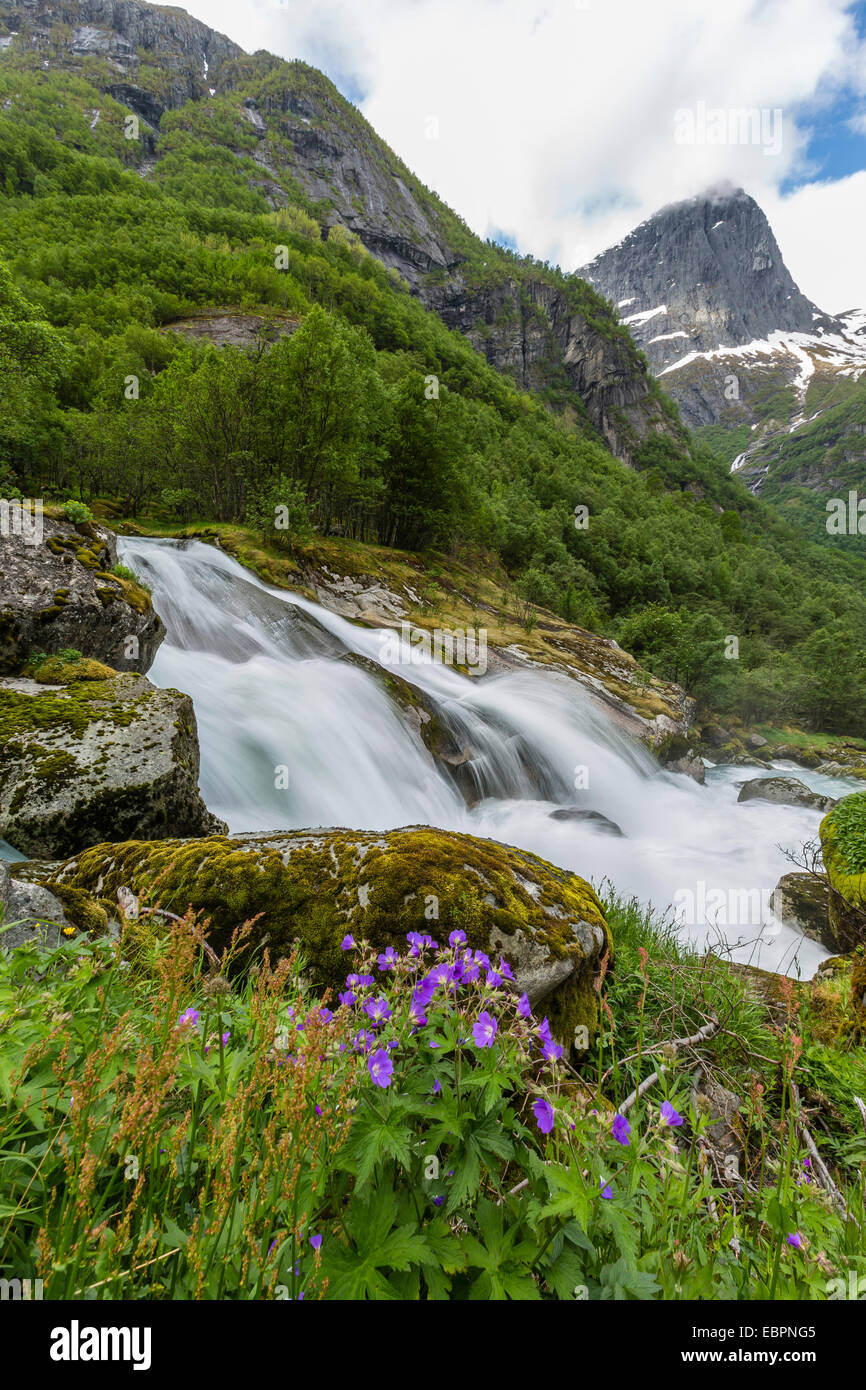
<point>297,731</point>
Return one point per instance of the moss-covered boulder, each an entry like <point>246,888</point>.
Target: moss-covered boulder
<point>801,900</point>
<point>315,886</point>
<point>61,594</point>
<point>843,846</point>
<point>97,759</point>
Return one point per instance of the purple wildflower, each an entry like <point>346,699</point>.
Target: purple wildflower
<point>795,1239</point>
<point>347,943</point>
<point>436,1088</point>
<point>388,959</point>
<point>190,1016</point>
<point>484,1029</point>
<point>347,998</point>
<point>381,1068</point>
<point>620,1130</point>
<point>543,1112</point>
<point>552,1051</point>
<point>605,1191</point>
<point>437,1201</point>
<point>316,1242</point>
<point>457,938</point>
<point>524,1007</point>
<point>669,1115</point>
<point>378,1009</point>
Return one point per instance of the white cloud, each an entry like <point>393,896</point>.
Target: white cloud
<point>557,119</point>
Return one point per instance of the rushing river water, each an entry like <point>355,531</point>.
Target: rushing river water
<point>293,734</point>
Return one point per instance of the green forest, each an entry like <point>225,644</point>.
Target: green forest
<point>358,413</point>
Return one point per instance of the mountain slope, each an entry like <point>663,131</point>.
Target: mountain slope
<point>704,290</point>
<point>282,135</point>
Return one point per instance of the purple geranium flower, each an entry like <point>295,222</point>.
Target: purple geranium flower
<point>381,1068</point>
<point>363,1041</point>
<point>436,1088</point>
<point>621,1129</point>
<point>482,959</point>
<point>325,1015</point>
<point>189,1016</point>
<point>795,1239</point>
<point>347,998</point>
<point>484,1029</point>
<point>316,1242</point>
<point>669,1115</point>
<point>505,969</point>
<point>347,943</point>
<point>378,1009</point>
<point>605,1191</point>
<point>524,1007</point>
<point>552,1051</point>
<point>544,1030</point>
<point>388,959</point>
<point>437,1201</point>
<point>543,1112</point>
<point>494,979</point>
<point>457,938</point>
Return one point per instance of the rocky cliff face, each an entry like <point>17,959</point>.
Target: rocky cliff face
<point>700,275</point>
<point>528,329</point>
<point>315,147</point>
<point>706,295</point>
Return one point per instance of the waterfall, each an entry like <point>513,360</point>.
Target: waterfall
<point>298,729</point>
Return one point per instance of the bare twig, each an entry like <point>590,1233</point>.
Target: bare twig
<point>702,1034</point>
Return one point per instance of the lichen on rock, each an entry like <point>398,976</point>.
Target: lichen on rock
<point>314,887</point>
<point>94,759</point>
<point>62,594</point>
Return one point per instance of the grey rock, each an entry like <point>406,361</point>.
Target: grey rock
<point>101,760</point>
<point>689,766</point>
<point>713,263</point>
<point>803,901</point>
<point>594,819</point>
<point>784,791</point>
<point>757,741</point>
<point>716,737</point>
<point>60,594</point>
<point>29,912</point>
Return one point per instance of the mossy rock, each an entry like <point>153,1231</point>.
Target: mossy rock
<point>62,594</point>
<point>56,671</point>
<point>315,886</point>
<point>841,848</point>
<point>88,758</point>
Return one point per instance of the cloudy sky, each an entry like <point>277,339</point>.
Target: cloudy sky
<point>558,125</point>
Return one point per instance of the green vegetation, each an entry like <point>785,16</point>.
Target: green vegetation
<point>371,421</point>
<point>170,1128</point>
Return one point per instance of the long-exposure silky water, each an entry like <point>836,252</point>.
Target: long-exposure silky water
<point>297,730</point>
